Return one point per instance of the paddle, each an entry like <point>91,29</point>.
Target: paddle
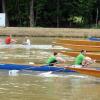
<point>29,68</point>
<point>33,64</point>
<point>36,68</point>
<point>61,69</point>
<point>50,72</point>
<point>56,70</point>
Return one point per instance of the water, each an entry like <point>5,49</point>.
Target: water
<point>34,86</point>
<point>30,85</point>
<point>11,54</point>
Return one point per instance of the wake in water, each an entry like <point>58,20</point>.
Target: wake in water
<point>13,72</point>
<point>48,74</point>
<point>51,74</point>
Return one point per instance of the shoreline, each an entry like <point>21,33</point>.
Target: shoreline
<point>49,32</point>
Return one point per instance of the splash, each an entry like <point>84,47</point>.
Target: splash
<point>48,74</point>
<point>13,72</point>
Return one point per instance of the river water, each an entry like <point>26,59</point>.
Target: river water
<point>29,85</point>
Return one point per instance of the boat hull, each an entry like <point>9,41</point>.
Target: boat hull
<point>94,39</point>
<point>78,42</point>
<point>33,68</point>
<point>95,56</point>
<point>87,71</point>
<point>88,48</point>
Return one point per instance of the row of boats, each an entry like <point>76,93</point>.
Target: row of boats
<point>75,45</point>
<point>92,46</point>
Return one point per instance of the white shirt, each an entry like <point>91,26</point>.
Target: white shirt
<point>28,42</point>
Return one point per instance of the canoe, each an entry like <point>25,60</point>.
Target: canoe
<point>33,68</point>
<point>95,56</point>
<point>89,48</point>
<point>88,71</point>
<point>78,42</point>
<point>94,39</point>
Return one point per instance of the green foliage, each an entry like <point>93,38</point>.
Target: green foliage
<point>50,13</point>
<point>76,19</point>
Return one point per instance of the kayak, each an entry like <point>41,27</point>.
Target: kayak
<point>74,47</point>
<point>79,41</point>
<point>33,68</point>
<point>94,39</point>
<point>88,71</point>
<point>95,56</point>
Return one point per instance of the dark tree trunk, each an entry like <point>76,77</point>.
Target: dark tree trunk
<point>97,12</point>
<point>32,13</point>
<point>58,22</point>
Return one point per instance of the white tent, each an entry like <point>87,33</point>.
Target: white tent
<point>2,19</point>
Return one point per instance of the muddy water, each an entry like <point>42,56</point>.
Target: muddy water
<point>36,86</point>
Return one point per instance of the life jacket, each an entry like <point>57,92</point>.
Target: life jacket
<point>8,40</point>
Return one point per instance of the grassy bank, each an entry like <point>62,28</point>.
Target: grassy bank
<point>50,32</point>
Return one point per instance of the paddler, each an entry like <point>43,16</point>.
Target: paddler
<point>55,59</point>
<point>82,60</point>
<point>27,41</point>
<point>9,40</point>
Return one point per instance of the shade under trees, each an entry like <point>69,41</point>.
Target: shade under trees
<point>51,13</point>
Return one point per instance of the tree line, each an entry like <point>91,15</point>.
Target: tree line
<point>51,13</point>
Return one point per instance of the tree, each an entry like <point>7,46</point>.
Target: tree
<point>32,13</point>
<point>52,13</point>
<point>58,8</point>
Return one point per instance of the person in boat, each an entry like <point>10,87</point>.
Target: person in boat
<point>55,59</point>
<point>82,60</point>
<point>9,40</point>
<point>27,41</point>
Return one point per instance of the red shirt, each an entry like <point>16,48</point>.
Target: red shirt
<point>8,40</point>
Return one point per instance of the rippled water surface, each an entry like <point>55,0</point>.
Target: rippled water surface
<point>29,85</point>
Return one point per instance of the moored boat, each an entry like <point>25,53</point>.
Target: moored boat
<point>88,71</point>
<point>94,39</point>
<point>33,68</point>
<point>78,42</point>
<point>80,47</point>
<point>95,56</point>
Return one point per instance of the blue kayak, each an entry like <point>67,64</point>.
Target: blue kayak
<point>94,39</point>
<point>33,68</point>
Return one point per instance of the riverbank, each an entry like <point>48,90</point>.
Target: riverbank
<point>49,32</point>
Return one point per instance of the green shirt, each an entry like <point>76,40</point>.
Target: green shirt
<point>79,59</point>
<point>51,59</point>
